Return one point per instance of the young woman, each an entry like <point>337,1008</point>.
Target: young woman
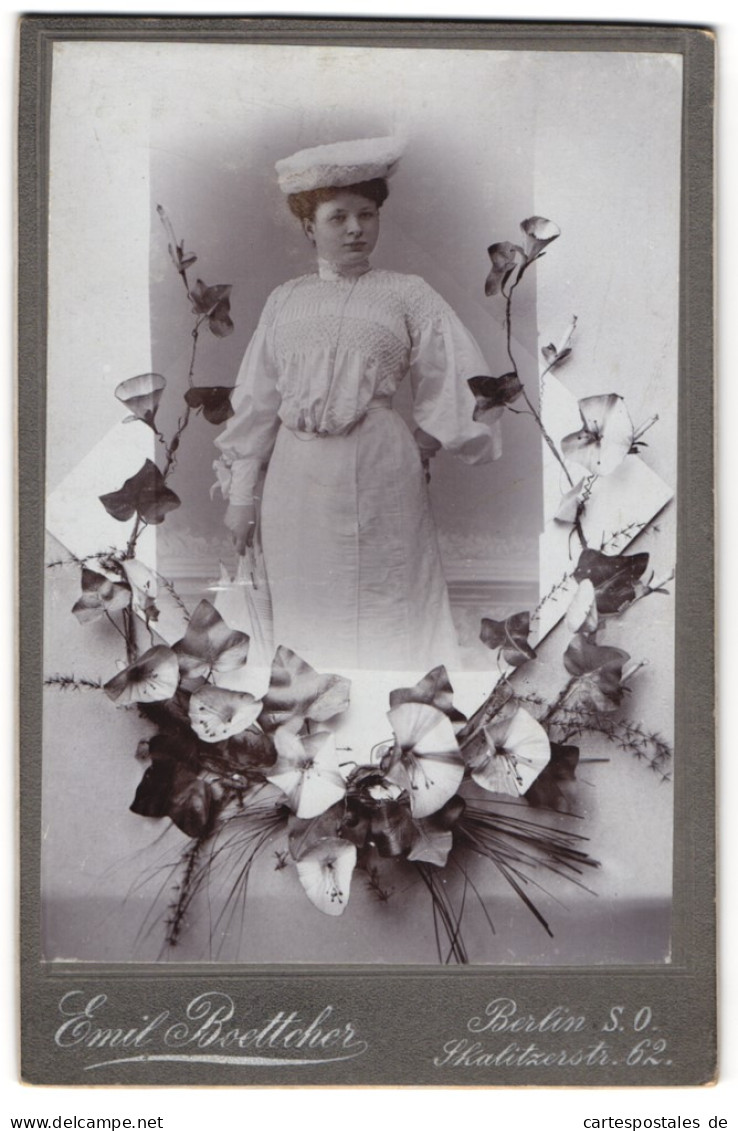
<point>349,542</point>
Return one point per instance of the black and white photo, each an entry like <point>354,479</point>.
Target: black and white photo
<point>362,438</point>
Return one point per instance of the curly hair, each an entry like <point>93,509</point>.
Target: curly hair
<point>303,205</point>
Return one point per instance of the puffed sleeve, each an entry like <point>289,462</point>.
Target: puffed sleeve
<point>247,440</point>
<point>443,356</point>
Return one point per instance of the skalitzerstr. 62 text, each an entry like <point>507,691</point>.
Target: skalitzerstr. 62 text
<point>508,1036</point>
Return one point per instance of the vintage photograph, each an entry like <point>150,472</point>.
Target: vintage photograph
<point>361,482</point>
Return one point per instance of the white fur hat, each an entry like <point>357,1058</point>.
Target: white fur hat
<point>338,164</point>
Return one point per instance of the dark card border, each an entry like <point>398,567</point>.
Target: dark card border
<point>404,1014</point>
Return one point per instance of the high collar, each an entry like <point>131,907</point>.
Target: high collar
<point>332,272</point>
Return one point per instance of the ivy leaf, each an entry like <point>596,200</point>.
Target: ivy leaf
<point>213,302</point>
<point>145,493</point>
<point>615,578</point>
<point>504,257</point>
<point>511,635</point>
<point>209,645</point>
<point>204,298</point>
<point>214,400</point>
<point>583,656</point>
<point>305,833</point>
<point>172,715</point>
<point>297,691</point>
<point>430,845</point>
<point>435,689</point>
<point>155,789</point>
<point>169,789</point>
<point>193,808</point>
<point>599,671</point>
<point>552,789</point>
<point>355,824</point>
<point>100,595</point>
<point>183,748</point>
<point>494,392</point>
<point>251,749</point>
<point>448,815</point>
<point>220,321</point>
<point>392,828</point>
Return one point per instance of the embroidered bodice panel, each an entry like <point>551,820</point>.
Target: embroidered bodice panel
<point>339,344</point>
<point>327,346</point>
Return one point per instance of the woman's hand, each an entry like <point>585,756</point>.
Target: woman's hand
<point>427,446</point>
<point>241,521</point>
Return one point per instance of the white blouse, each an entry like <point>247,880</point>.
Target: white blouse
<point>328,345</point>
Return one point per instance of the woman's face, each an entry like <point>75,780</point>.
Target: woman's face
<point>345,229</point>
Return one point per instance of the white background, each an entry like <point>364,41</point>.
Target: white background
<point>185,1109</point>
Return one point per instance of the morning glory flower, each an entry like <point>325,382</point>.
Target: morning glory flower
<point>307,771</point>
<point>141,396</point>
<point>539,233</point>
<point>150,679</point>
<point>325,873</point>
<point>517,751</point>
<point>582,615</point>
<point>425,761</point>
<point>217,713</point>
<point>606,438</point>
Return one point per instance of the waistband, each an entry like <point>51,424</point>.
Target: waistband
<point>379,402</point>
<point>376,403</point>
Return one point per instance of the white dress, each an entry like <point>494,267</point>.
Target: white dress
<point>349,542</point>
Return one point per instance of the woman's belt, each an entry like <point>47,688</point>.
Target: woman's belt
<point>303,432</point>
<point>378,402</point>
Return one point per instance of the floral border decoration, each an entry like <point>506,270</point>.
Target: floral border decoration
<point>238,773</point>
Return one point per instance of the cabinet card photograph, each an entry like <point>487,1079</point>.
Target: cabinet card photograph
<point>362,472</point>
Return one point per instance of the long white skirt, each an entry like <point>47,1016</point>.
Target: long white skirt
<point>351,551</point>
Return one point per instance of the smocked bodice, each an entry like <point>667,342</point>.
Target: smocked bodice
<point>340,343</point>
<point>327,346</point>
